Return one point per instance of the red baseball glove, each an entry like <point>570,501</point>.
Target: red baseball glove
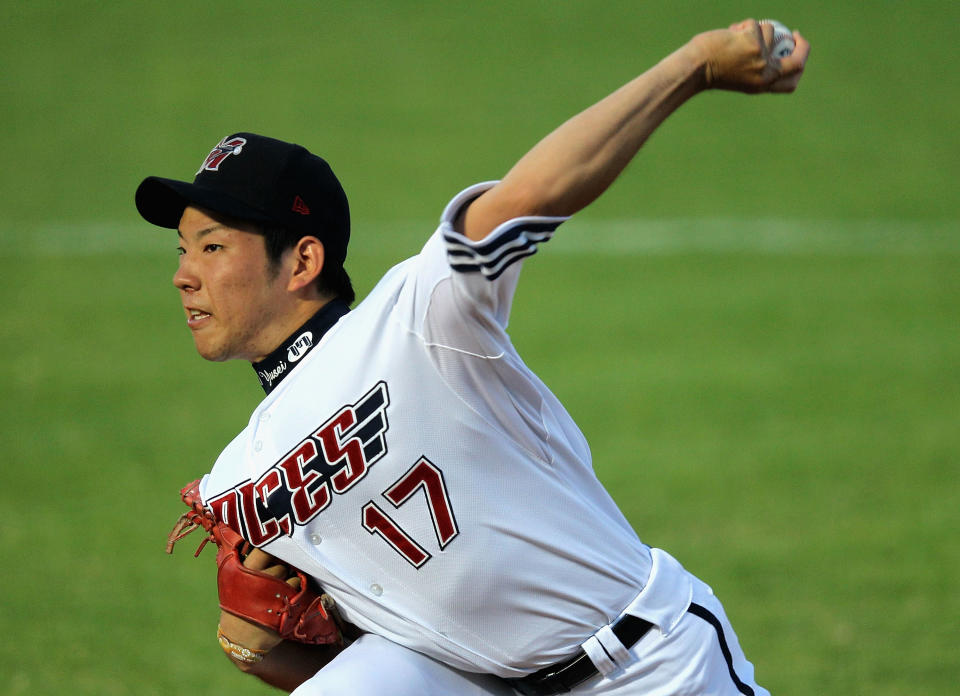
<point>298,614</point>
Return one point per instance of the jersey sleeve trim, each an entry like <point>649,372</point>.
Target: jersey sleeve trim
<point>510,242</point>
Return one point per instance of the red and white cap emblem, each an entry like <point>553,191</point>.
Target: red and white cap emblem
<point>225,148</point>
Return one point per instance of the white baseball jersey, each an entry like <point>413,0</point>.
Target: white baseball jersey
<point>413,464</point>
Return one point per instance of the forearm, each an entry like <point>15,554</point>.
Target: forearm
<point>289,664</point>
<point>573,165</point>
<point>577,162</point>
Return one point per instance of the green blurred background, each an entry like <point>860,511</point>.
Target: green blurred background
<point>758,327</point>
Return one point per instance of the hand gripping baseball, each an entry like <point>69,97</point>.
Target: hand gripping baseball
<point>258,592</point>
<point>741,58</point>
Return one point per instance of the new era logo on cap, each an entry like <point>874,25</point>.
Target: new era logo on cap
<point>300,207</point>
<point>226,147</point>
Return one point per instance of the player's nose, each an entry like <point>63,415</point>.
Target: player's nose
<point>185,278</point>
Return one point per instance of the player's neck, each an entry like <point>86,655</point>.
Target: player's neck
<point>275,366</point>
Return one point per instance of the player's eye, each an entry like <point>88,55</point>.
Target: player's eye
<point>212,247</point>
<point>181,251</point>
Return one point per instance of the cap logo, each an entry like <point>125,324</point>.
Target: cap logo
<point>224,149</point>
<point>300,207</point>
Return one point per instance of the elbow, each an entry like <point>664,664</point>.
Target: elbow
<point>543,198</point>
<point>511,198</point>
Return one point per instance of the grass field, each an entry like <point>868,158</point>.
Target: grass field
<point>770,296</point>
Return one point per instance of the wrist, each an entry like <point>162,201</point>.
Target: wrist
<point>239,653</point>
<point>695,56</point>
<point>680,76</point>
<point>247,633</point>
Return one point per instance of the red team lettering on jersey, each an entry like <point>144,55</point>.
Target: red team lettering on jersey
<point>300,486</point>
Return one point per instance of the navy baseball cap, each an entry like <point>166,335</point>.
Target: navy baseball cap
<point>260,180</point>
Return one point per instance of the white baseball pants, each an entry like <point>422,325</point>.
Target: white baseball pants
<point>691,650</point>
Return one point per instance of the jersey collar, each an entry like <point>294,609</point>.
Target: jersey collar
<point>274,368</point>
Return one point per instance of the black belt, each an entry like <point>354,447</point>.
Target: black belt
<point>563,676</point>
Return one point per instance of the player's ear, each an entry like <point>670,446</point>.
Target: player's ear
<point>307,258</point>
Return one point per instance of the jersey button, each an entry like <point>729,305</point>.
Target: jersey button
<point>315,539</point>
<point>258,445</point>
<point>376,589</point>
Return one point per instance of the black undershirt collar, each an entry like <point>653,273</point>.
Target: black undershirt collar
<point>275,367</point>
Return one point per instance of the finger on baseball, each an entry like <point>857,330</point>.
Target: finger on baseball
<point>766,34</point>
<point>801,50</point>
<point>278,571</point>
<point>294,581</point>
<point>792,66</point>
<point>757,30</point>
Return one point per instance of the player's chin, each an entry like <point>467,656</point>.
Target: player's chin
<point>211,351</point>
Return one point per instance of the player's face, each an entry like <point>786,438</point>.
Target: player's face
<point>231,295</point>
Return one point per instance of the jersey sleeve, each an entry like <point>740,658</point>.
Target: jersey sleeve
<point>459,306</point>
<point>486,271</point>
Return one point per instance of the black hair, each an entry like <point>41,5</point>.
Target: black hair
<point>333,280</point>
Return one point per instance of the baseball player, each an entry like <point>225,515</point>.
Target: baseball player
<point>404,458</point>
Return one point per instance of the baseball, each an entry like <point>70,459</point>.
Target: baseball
<point>783,43</point>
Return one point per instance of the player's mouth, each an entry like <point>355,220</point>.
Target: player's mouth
<point>196,317</point>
